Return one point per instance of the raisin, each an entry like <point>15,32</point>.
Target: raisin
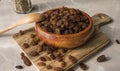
<point>64,50</point>
<point>83,66</point>
<point>72,59</point>
<point>25,60</point>
<point>19,67</point>
<point>42,59</point>
<point>57,54</point>
<point>117,41</point>
<point>22,54</point>
<point>26,45</point>
<point>32,35</point>
<point>21,32</point>
<point>34,53</point>
<point>35,41</point>
<point>101,58</point>
<point>41,64</point>
<point>49,50</point>
<point>52,56</point>
<point>44,47</point>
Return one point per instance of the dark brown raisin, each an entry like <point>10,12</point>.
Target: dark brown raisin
<point>101,58</point>
<point>21,32</point>
<point>83,26</point>
<point>35,41</point>
<point>52,56</point>
<point>41,64</point>
<point>22,54</point>
<point>25,60</point>
<point>83,66</point>
<point>83,18</point>
<point>64,50</point>
<point>49,50</point>
<point>32,35</point>
<point>42,59</point>
<point>26,45</point>
<point>72,59</point>
<point>19,67</point>
<point>58,69</point>
<point>34,53</point>
<point>57,54</point>
<point>44,47</point>
<point>49,67</point>
<point>117,41</point>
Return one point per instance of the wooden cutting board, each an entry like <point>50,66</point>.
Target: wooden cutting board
<point>96,42</point>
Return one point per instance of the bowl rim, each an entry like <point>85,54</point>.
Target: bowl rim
<point>65,35</point>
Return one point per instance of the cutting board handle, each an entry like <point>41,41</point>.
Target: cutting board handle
<point>100,19</point>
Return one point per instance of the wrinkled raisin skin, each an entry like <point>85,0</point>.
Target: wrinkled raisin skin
<point>83,66</point>
<point>72,59</point>
<point>19,67</point>
<point>101,58</point>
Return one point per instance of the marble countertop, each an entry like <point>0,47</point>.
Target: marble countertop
<point>10,53</point>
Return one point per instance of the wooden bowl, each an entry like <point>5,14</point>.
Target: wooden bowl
<point>66,41</point>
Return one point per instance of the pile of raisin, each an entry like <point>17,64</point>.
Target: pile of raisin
<point>64,21</point>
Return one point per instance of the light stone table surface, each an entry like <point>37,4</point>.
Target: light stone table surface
<point>10,53</point>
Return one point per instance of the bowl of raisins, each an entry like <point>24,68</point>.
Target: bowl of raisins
<point>64,27</point>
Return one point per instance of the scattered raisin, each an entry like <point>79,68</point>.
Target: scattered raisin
<point>52,56</point>
<point>35,41</point>
<point>19,67</point>
<point>41,64</point>
<point>32,35</point>
<point>26,45</point>
<point>57,54</point>
<point>42,59</point>
<point>25,60</point>
<point>50,50</point>
<point>117,41</point>
<point>83,66</point>
<point>22,54</point>
<point>44,47</point>
<point>72,59</point>
<point>101,58</point>
<point>34,53</point>
<point>64,50</point>
<point>21,32</point>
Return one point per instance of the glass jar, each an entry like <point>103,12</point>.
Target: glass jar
<point>22,6</point>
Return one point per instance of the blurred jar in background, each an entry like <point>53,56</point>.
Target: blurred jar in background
<point>22,6</point>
